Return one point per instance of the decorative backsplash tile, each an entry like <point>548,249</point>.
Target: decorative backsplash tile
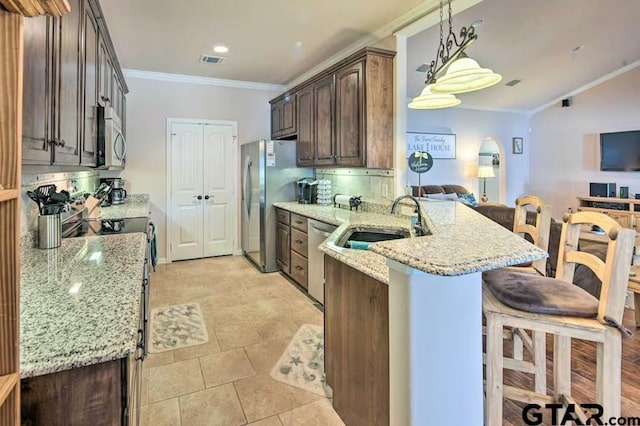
<point>372,185</point>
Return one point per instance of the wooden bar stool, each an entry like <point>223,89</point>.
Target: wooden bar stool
<point>539,233</point>
<point>557,306</point>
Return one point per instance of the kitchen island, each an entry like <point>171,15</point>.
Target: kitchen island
<point>422,311</point>
<point>80,315</point>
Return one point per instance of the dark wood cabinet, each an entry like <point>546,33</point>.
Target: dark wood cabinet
<point>306,127</point>
<point>89,152</point>
<point>283,252</point>
<point>70,71</point>
<point>283,117</point>
<point>37,128</point>
<point>324,107</point>
<point>348,119</point>
<point>67,100</point>
<point>349,116</point>
<point>356,314</point>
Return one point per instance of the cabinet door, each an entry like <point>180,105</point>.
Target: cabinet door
<point>623,218</point>
<point>90,119</point>
<point>275,120</point>
<point>305,148</point>
<point>283,253</point>
<point>68,105</point>
<point>105,76</point>
<point>350,115</point>
<point>37,90</point>
<point>288,116</point>
<point>323,92</point>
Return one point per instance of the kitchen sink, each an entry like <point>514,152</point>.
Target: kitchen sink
<point>370,235</point>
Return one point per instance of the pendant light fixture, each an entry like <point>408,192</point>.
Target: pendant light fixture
<point>464,74</point>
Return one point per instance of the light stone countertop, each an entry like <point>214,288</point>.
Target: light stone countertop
<point>80,302</point>
<point>462,241</point>
<point>136,205</point>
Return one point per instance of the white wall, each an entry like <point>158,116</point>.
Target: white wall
<point>565,146</point>
<point>151,102</point>
<point>471,127</point>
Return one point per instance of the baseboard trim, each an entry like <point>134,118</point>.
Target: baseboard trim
<point>162,261</point>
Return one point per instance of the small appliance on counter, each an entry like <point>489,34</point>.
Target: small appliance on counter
<point>307,190</point>
<point>350,201</point>
<point>118,194</point>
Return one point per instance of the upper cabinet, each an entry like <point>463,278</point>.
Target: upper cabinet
<point>344,114</point>
<point>283,117</point>
<point>72,71</point>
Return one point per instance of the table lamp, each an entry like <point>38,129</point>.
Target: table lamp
<point>485,172</point>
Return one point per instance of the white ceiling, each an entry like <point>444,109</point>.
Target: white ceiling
<point>169,36</point>
<point>276,41</point>
<point>532,41</point>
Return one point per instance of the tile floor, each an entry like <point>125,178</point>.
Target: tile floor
<point>250,317</point>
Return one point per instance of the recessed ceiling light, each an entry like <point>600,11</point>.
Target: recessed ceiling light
<point>298,44</point>
<point>221,49</point>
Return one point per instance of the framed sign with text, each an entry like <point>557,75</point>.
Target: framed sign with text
<point>438,145</point>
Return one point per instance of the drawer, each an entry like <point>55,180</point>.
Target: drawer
<point>299,222</point>
<point>299,242</point>
<point>299,270</point>
<point>282,216</point>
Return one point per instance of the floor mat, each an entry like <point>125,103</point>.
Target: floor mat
<point>175,327</point>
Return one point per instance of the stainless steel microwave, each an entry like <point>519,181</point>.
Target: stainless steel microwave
<point>112,145</point>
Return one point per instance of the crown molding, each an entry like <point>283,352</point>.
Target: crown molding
<point>205,81</point>
<point>587,86</point>
<point>412,15</point>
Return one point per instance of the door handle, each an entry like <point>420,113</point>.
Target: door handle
<point>206,197</point>
<point>199,197</point>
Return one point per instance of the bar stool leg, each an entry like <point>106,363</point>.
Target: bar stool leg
<point>561,366</point>
<point>494,391</point>
<point>609,365</point>
<point>540,361</point>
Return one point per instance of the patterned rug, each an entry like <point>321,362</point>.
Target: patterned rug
<point>302,363</point>
<point>175,327</point>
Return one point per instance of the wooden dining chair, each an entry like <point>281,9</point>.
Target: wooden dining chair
<point>559,307</point>
<point>538,232</point>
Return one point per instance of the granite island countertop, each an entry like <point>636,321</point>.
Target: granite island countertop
<point>136,205</point>
<point>462,241</point>
<point>80,302</point>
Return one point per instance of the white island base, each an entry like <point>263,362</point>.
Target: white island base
<point>435,348</point>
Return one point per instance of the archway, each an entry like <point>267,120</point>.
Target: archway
<point>491,159</point>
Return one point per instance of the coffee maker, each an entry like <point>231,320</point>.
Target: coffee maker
<point>118,194</point>
<point>307,190</point>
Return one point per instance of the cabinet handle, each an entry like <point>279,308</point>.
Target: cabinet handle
<point>61,143</point>
<point>299,241</point>
<point>299,222</point>
<point>299,268</point>
<point>105,99</point>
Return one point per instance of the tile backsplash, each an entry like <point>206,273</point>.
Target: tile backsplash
<point>371,184</point>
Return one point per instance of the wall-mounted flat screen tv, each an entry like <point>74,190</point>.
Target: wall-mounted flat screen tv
<point>620,151</point>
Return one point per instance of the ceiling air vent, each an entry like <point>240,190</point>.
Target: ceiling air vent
<point>422,68</point>
<point>513,82</point>
<point>210,59</point>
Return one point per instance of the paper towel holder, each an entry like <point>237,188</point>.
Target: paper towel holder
<point>351,201</point>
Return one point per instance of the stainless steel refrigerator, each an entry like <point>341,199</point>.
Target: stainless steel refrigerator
<point>269,175</point>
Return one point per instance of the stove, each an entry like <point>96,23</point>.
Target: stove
<point>85,228</point>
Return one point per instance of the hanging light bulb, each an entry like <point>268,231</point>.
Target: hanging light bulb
<point>430,100</point>
<point>465,75</point>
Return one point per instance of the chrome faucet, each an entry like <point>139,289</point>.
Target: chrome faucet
<point>419,229</point>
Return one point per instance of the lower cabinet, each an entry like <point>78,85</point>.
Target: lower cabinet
<point>291,246</point>
<point>356,323</point>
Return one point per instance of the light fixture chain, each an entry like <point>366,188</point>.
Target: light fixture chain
<point>441,19</point>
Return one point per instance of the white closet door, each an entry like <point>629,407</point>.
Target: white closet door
<point>186,187</point>
<point>220,206</point>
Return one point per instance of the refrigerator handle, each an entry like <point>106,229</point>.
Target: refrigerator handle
<point>246,193</point>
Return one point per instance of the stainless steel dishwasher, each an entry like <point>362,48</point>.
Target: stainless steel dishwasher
<point>317,232</point>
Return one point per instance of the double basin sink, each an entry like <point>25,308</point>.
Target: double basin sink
<point>359,237</point>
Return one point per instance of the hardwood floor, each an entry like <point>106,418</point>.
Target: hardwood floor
<point>583,364</point>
